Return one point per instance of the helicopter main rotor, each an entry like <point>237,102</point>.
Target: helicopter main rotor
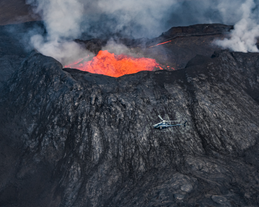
<point>166,120</point>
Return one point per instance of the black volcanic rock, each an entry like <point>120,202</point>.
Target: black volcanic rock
<point>72,138</point>
<point>198,29</point>
<point>184,43</point>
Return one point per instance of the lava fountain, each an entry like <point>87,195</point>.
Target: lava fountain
<point>109,64</point>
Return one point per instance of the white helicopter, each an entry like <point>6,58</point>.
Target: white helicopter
<point>167,123</point>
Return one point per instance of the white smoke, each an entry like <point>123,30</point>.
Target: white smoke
<point>62,19</point>
<point>246,31</point>
<point>66,20</point>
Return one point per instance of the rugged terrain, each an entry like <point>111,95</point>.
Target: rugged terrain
<point>71,138</point>
<point>181,43</point>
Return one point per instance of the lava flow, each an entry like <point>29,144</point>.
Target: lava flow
<point>162,43</point>
<point>115,65</point>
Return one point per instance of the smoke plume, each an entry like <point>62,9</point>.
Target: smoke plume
<point>244,36</point>
<point>66,20</point>
<point>62,20</point>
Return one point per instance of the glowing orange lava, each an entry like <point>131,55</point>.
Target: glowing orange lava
<point>115,65</point>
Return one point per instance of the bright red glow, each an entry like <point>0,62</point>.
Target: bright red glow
<point>115,65</point>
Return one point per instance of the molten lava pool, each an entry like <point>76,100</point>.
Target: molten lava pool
<point>115,65</point>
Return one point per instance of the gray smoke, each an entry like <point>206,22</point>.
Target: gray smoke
<point>246,31</point>
<point>149,18</point>
<point>66,20</point>
<point>62,20</point>
<point>136,18</point>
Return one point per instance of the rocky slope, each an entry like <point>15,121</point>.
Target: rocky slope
<point>71,138</point>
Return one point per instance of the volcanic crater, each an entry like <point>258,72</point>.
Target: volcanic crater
<point>74,138</point>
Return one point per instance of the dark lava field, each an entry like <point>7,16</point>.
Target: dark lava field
<point>74,139</point>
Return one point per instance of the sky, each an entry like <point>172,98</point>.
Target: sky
<point>66,20</point>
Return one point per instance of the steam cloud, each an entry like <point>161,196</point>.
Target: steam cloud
<point>62,20</point>
<point>243,37</point>
<point>66,20</point>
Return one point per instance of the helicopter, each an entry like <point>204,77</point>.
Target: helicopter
<point>167,123</point>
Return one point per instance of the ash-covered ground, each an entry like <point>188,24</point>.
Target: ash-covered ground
<point>71,138</point>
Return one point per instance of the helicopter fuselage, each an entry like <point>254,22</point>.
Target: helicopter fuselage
<point>166,124</point>
<point>163,125</point>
